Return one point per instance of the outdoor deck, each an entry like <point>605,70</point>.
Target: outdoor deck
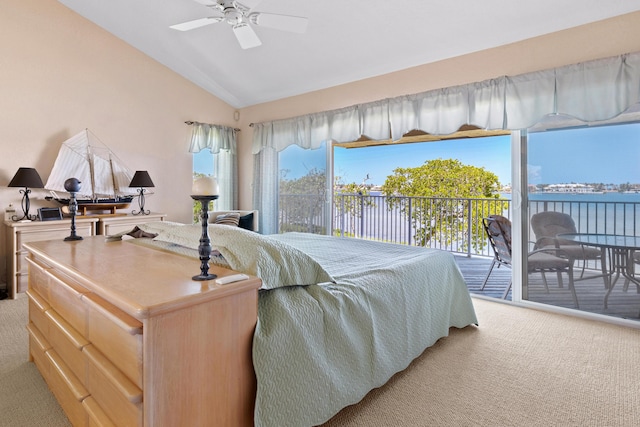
<point>590,292</point>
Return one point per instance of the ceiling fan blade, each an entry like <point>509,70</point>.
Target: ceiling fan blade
<point>294,24</point>
<point>206,2</point>
<point>248,4</point>
<point>190,25</point>
<point>246,36</point>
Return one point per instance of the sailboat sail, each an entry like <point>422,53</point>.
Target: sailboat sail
<point>101,173</point>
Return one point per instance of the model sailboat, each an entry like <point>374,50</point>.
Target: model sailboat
<point>104,178</point>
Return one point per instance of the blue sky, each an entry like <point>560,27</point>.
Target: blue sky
<point>355,163</point>
<point>607,154</point>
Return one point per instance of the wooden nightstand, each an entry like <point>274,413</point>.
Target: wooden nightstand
<point>109,225</point>
<point>18,233</point>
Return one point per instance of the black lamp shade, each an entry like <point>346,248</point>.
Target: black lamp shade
<point>141,179</point>
<point>26,177</point>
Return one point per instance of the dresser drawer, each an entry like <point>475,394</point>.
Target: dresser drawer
<point>68,343</point>
<point>65,296</point>
<point>116,335</point>
<point>38,280</point>
<point>37,308</point>
<point>97,417</point>
<point>67,389</point>
<point>111,229</point>
<point>112,389</point>
<point>52,232</point>
<point>38,345</point>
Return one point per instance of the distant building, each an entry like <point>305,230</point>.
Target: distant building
<point>569,188</point>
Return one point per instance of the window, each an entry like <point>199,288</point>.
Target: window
<point>203,162</point>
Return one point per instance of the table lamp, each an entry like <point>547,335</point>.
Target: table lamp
<point>142,180</point>
<point>26,177</point>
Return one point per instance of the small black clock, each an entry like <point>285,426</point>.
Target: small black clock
<point>49,214</point>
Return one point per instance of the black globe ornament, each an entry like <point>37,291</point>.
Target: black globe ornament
<point>72,185</point>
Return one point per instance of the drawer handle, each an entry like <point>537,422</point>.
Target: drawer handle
<point>129,324</point>
<point>130,391</point>
<point>38,337</point>
<point>76,387</point>
<point>37,299</point>
<point>74,336</point>
<point>36,264</point>
<point>53,275</point>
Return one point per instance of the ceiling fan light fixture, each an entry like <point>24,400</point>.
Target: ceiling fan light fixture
<point>233,16</point>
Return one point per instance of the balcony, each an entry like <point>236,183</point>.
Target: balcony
<point>454,225</point>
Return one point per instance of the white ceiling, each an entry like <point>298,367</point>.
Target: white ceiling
<point>345,41</point>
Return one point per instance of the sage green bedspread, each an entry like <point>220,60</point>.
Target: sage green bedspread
<point>320,347</point>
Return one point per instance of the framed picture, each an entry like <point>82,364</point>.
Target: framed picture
<point>49,214</point>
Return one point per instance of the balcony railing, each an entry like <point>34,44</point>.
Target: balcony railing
<point>452,224</point>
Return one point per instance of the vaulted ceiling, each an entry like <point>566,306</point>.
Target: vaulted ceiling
<point>345,40</point>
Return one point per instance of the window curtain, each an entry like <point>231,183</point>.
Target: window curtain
<point>221,141</point>
<point>590,91</point>
<point>265,189</point>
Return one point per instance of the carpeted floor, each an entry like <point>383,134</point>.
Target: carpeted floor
<point>520,367</point>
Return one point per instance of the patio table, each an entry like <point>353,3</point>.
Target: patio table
<point>620,250</point>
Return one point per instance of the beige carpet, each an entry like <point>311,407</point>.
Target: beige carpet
<point>521,367</point>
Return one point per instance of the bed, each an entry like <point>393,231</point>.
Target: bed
<point>337,317</point>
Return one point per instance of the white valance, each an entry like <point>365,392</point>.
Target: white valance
<point>213,137</point>
<point>590,91</point>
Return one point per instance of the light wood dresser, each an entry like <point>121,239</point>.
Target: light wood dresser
<point>17,233</point>
<point>123,336</point>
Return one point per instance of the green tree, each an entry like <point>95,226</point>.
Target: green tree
<point>302,201</point>
<point>350,199</point>
<point>433,204</point>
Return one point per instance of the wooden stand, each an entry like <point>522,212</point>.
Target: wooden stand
<point>204,249</point>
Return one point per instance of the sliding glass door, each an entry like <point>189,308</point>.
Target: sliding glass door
<point>583,191</point>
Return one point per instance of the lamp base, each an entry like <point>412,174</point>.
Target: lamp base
<point>141,211</point>
<point>71,238</point>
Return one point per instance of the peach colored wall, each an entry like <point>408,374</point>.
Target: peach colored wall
<point>60,73</point>
<point>598,40</point>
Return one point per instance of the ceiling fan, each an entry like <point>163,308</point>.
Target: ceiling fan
<point>240,16</point>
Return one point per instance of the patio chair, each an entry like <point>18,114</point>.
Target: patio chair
<point>548,224</point>
<point>498,229</point>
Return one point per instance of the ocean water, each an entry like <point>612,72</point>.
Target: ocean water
<point>607,213</point>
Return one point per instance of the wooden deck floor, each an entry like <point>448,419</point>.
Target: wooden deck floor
<point>590,292</point>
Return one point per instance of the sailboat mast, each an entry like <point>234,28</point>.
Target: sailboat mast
<point>113,179</point>
<point>91,171</point>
